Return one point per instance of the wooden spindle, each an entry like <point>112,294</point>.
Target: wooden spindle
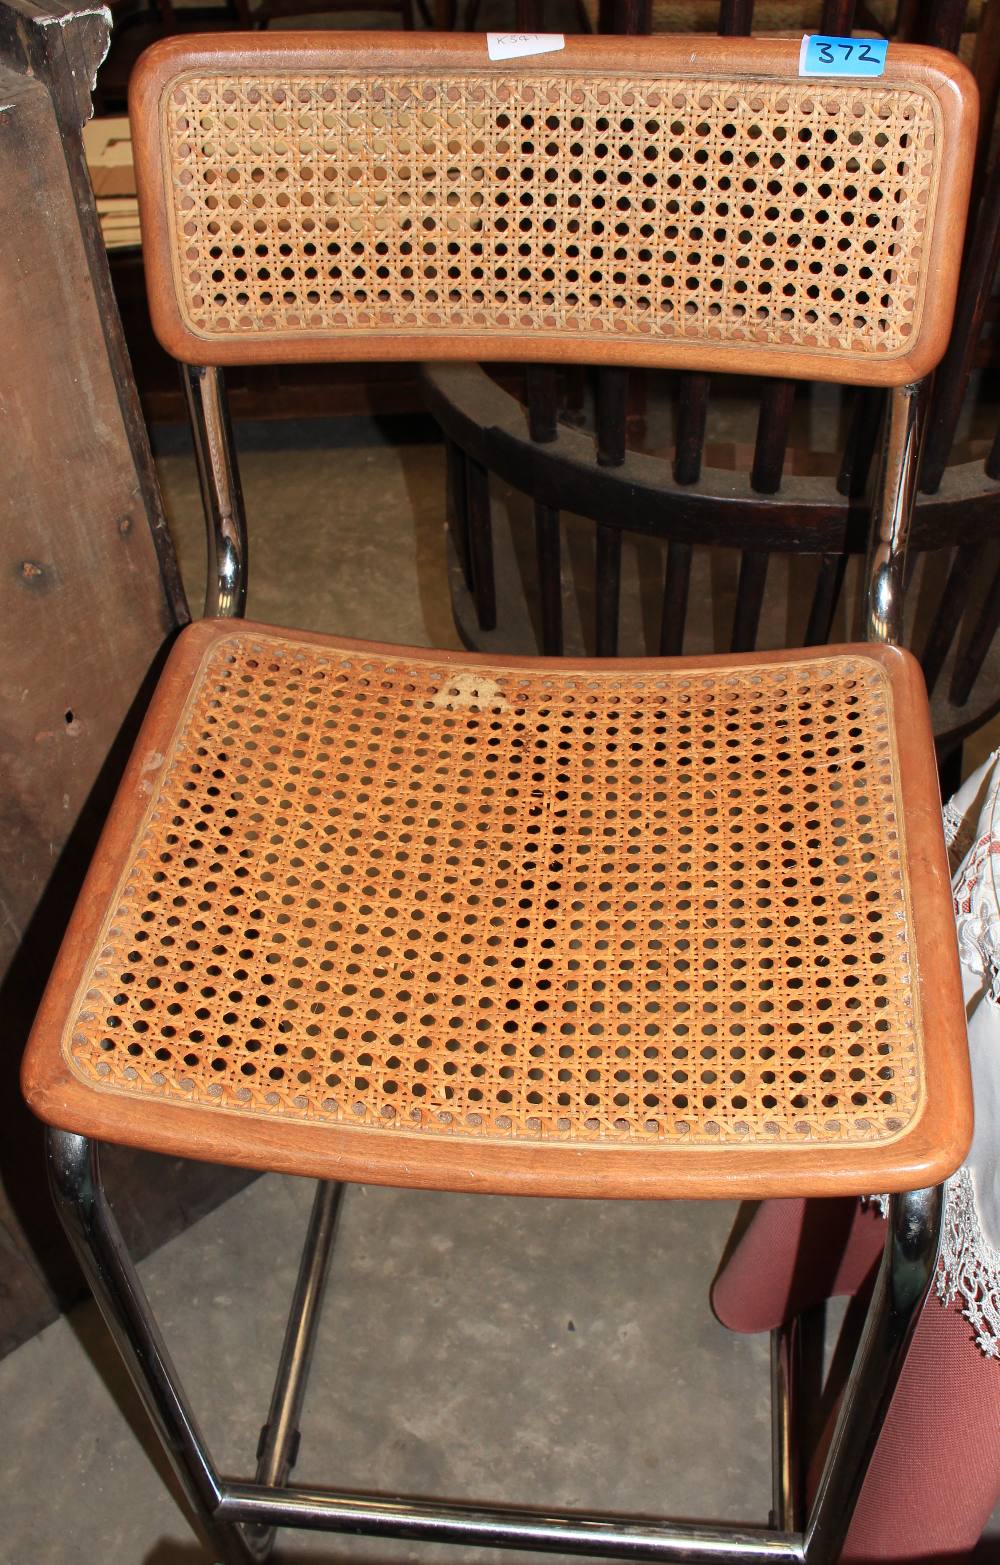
<point>612,416</point>
<point>969,663</point>
<point>867,413</point>
<point>975,287</point>
<point>548,554</point>
<point>632,17</point>
<point>954,598</point>
<point>837,18</point>
<point>735,18</point>
<point>543,420</point>
<point>543,405</point>
<point>484,593</point>
<point>776,403</point>
<point>942,23</point>
<point>824,599</point>
<point>608,589</point>
<point>950,771</point>
<point>692,413</point>
<point>676,586</point>
<point>457,512</point>
<point>749,599</point>
<point>910,563</point>
<point>907,21</point>
<point>986,70</point>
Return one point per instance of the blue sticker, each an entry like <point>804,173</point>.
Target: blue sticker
<point>821,56</point>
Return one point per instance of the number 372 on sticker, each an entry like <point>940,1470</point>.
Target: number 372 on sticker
<point>819,56</point>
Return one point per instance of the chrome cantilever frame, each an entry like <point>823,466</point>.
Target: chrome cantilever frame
<point>902,438</point>
<point>881,620</point>
<point>221,491</point>
<point>225,512</point>
<point>238,1518</point>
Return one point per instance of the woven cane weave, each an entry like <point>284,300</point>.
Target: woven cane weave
<point>766,212</point>
<point>618,906</point>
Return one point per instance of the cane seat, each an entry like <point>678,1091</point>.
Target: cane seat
<point>628,927</point>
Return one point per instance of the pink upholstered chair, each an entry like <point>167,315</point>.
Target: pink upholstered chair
<point>935,1474</point>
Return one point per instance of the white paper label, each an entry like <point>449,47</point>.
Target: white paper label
<point>512,46</point>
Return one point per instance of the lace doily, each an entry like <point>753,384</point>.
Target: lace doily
<point>969,1265</point>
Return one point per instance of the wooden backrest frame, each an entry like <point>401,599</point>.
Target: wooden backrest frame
<point>778,242</point>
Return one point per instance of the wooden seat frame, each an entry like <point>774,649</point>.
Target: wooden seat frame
<point>239,1518</point>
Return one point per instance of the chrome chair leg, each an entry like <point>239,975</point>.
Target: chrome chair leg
<point>912,1241</point>
<point>786,1469</point>
<point>75,1181</point>
<point>279,1438</point>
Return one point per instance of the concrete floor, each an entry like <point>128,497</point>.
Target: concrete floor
<point>621,1392</point>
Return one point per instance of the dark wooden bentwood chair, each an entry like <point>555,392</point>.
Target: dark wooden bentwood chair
<point>658,928</point>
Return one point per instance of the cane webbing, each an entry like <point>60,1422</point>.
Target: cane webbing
<point>787,213</point>
<point>624,906</point>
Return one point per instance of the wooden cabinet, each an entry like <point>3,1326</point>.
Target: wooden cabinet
<point>89,601</point>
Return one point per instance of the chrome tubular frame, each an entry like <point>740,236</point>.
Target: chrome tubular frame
<point>75,1182</point>
<point>901,441</point>
<point>913,1239</point>
<point>279,1438</point>
<point>605,1537</point>
<point>786,1466</point>
<point>221,492</point>
<point>238,1518</point>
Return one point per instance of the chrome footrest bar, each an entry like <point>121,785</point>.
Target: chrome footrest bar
<point>326,1510</point>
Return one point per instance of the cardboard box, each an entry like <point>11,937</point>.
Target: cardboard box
<point>107,144</point>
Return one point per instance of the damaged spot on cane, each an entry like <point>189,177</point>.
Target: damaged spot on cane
<point>469,692</point>
<point>151,763</point>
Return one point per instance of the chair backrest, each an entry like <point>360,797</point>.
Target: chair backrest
<point>675,202</point>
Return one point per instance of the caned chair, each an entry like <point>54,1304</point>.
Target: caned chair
<point>657,928</point>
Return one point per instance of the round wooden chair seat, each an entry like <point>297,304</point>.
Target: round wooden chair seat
<point>656,928</point>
